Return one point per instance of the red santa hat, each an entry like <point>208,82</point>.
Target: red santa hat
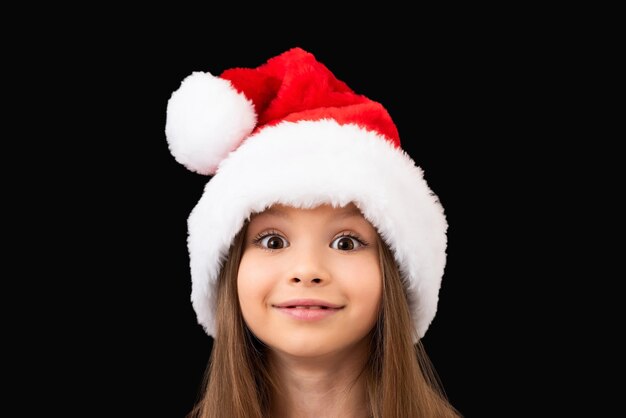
<point>290,132</point>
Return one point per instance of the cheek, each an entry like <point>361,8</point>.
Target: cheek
<point>253,285</point>
<point>364,283</point>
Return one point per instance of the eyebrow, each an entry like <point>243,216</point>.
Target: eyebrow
<point>352,212</point>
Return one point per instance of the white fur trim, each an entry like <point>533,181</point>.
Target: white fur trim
<point>306,164</point>
<point>206,119</point>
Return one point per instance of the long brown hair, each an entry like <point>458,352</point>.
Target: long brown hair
<point>400,379</point>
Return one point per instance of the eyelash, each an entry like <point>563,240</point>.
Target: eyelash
<point>259,237</point>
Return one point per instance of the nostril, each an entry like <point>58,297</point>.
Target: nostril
<point>297,280</point>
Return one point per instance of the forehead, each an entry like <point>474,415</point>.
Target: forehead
<point>324,211</point>
<point>320,217</point>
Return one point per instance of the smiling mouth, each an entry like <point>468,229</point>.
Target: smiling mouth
<point>308,313</point>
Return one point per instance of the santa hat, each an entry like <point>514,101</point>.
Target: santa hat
<point>289,132</point>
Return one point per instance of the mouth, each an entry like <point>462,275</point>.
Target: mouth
<point>309,310</point>
<point>307,304</point>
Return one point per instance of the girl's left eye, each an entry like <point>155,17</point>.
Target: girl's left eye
<point>347,242</point>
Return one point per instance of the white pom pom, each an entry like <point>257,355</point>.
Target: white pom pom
<point>206,119</point>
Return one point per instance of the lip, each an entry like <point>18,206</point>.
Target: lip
<point>324,309</point>
<point>307,302</point>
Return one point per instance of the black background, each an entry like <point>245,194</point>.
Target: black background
<point>464,100</point>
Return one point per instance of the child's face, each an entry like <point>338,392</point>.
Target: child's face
<point>305,254</point>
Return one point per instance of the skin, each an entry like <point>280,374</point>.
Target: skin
<point>304,255</point>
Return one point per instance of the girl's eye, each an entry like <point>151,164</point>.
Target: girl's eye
<point>271,242</point>
<point>348,242</point>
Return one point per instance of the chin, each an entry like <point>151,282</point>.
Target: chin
<point>310,345</point>
<point>301,350</point>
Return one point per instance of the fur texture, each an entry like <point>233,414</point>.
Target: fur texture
<point>206,119</point>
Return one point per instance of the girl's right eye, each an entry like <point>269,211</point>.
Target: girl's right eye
<point>270,241</point>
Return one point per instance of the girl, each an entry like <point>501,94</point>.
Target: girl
<point>316,249</point>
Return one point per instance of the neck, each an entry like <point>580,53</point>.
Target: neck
<point>329,385</point>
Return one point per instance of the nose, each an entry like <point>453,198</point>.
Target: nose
<point>309,269</point>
